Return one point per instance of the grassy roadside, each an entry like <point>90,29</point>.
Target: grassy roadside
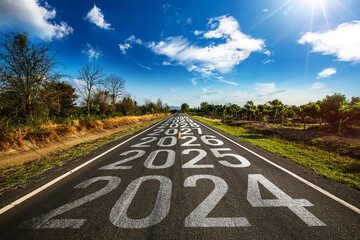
<point>17,174</point>
<point>328,164</point>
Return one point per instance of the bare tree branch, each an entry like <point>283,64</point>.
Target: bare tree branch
<point>115,85</point>
<point>92,76</point>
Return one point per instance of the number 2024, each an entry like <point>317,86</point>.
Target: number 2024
<point>197,218</point>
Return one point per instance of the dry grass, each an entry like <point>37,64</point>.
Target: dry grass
<point>54,132</point>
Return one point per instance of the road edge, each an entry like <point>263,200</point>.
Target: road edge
<point>75,169</point>
<point>310,184</point>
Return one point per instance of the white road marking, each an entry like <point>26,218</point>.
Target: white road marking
<point>46,221</point>
<point>198,217</point>
<point>283,200</point>
<point>118,214</point>
<point>339,200</point>
<point>33,193</point>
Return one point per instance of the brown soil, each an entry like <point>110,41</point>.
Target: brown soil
<point>345,144</point>
<point>309,134</point>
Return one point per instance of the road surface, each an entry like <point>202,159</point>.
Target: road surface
<point>180,179</point>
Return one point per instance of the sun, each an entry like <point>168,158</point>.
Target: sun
<point>314,3</point>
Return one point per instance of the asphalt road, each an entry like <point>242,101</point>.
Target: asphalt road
<point>200,185</point>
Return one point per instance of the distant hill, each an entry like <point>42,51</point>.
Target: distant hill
<point>175,108</point>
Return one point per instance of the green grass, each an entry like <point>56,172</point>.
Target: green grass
<point>17,174</point>
<point>328,164</point>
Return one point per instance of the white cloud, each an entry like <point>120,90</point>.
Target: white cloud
<point>206,91</point>
<point>143,66</point>
<point>133,39</point>
<point>197,32</point>
<point>167,6</point>
<point>266,89</point>
<point>30,16</point>
<point>127,43</point>
<point>79,84</point>
<point>268,61</point>
<point>267,52</point>
<point>124,47</point>
<point>194,82</point>
<point>327,72</point>
<point>342,42</point>
<point>189,21</point>
<point>317,85</point>
<point>92,53</point>
<point>95,16</point>
<point>265,10</point>
<point>212,58</point>
<point>172,90</point>
<point>170,8</point>
<point>221,79</point>
<point>166,63</point>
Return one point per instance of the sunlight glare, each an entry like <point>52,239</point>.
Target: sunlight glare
<point>315,2</point>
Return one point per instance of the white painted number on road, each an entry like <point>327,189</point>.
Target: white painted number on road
<point>143,144</point>
<point>192,162</point>
<point>46,221</point>
<point>115,165</point>
<point>283,200</point>
<point>243,161</point>
<point>118,214</point>
<point>170,160</point>
<point>211,140</point>
<point>198,218</point>
<point>167,141</point>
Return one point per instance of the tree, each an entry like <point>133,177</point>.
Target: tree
<point>127,106</point>
<point>25,69</point>
<point>115,86</point>
<point>102,99</point>
<point>152,107</point>
<point>147,103</point>
<point>60,98</point>
<point>354,100</point>
<point>277,109</point>
<point>185,107</point>
<point>333,108</point>
<point>91,77</point>
<point>204,107</point>
<point>310,110</point>
<point>353,112</point>
<point>159,105</point>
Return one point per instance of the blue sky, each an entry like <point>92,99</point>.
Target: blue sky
<point>227,51</point>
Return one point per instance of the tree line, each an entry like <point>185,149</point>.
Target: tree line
<point>32,91</point>
<point>334,110</point>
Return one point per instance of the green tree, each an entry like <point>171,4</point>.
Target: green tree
<point>127,106</point>
<point>102,99</point>
<point>353,113</point>
<point>354,100</point>
<point>204,107</point>
<point>277,109</point>
<point>310,110</point>
<point>333,108</point>
<point>60,97</point>
<point>185,107</point>
<point>25,69</point>
<point>159,105</point>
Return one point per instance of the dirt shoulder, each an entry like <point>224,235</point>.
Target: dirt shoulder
<point>31,151</point>
<point>343,144</point>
